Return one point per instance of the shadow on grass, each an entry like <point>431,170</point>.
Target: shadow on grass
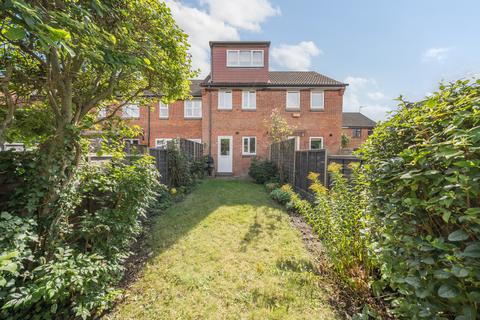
<point>210,195</point>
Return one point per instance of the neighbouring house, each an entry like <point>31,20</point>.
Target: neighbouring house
<point>357,127</point>
<point>229,107</point>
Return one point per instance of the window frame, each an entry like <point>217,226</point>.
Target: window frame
<point>192,102</point>
<point>166,106</point>
<point>197,140</point>
<point>129,105</point>
<point>249,92</point>
<point>249,153</point>
<point>316,108</point>
<point>310,143</point>
<point>167,140</point>
<point>251,65</point>
<point>354,130</point>
<point>296,140</point>
<point>223,92</point>
<point>131,141</point>
<point>293,108</point>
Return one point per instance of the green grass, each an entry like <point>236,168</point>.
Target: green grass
<point>226,252</point>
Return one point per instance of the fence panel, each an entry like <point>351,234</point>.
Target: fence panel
<point>307,161</point>
<point>344,161</point>
<point>161,163</point>
<point>283,155</point>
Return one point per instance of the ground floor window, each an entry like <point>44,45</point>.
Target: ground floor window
<point>133,141</point>
<point>297,141</point>
<point>249,146</point>
<point>162,142</point>
<point>196,140</point>
<point>316,143</point>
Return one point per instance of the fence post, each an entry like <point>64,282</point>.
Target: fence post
<point>325,174</point>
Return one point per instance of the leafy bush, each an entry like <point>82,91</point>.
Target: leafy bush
<point>340,219</point>
<point>178,167</point>
<point>270,186</point>
<point>423,169</point>
<point>76,273</point>
<point>263,171</point>
<point>281,196</point>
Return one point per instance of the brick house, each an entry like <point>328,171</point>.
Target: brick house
<point>357,127</point>
<point>229,107</point>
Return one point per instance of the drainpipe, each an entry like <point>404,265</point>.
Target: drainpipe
<point>209,121</point>
<point>148,128</point>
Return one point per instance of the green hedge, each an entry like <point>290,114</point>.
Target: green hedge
<point>263,171</point>
<point>423,170</point>
<point>77,274</point>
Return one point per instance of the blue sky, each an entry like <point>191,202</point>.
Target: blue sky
<point>381,48</point>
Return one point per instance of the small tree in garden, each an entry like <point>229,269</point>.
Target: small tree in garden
<point>75,57</point>
<point>423,169</point>
<point>278,130</point>
<point>345,140</point>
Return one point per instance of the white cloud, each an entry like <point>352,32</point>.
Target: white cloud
<point>245,14</point>
<point>295,57</point>
<point>435,54</point>
<point>363,95</point>
<point>218,21</point>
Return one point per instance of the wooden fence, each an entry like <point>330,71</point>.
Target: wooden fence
<point>297,164</point>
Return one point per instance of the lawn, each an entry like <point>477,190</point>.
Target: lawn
<point>227,252</point>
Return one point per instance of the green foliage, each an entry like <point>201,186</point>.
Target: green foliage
<point>341,220</point>
<point>423,169</point>
<point>95,221</point>
<point>270,186</point>
<point>281,196</point>
<point>345,140</point>
<point>262,170</point>
<point>178,166</point>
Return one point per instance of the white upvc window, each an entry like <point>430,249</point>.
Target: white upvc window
<point>245,58</point>
<point>133,141</point>
<point>193,108</point>
<point>162,142</point>
<point>317,99</point>
<point>316,143</point>
<point>293,100</point>
<point>196,140</point>
<point>249,146</point>
<point>163,110</point>
<point>131,111</point>
<point>249,99</point>
<point>225,99</point>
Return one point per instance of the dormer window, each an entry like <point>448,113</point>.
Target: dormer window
<point>244,58</point>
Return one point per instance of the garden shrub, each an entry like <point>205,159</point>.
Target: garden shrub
<point>270,186</point>
<point>340,219</point>
<point>263,171</point>
<point>281,196</point>
<point>76,275</point>
<point>423,170</point>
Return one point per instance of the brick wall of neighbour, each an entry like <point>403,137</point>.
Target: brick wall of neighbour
<point>176,126</point>
<point>240,123</point>
<point>222,73</point>
<point>355,142</point>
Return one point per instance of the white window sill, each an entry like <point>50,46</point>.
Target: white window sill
<point>292,109</point>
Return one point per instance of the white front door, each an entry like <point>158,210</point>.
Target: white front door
<point>225,154</point>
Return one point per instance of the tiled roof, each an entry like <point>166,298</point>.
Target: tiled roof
<point>356,120</point>
<point>301,78</point>
<point>195,88</point>
<point>285,79</point>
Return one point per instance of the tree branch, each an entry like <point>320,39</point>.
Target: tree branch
<point>11,105</point>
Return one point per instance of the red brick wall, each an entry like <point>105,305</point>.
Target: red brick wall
<point>222,73</point>
<point>239,123</point>
<point>355,142</point>
<point>176,126</point>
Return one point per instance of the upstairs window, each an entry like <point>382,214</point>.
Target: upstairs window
<point>163,110</point>
<point>316,100</point>
<point>356,133</point>
<point>244,58</point>
<point>293,100</point>
<point>131,111</point>
<point>249,146</point>
<point>225,100</point>
<point>193,108</point>
<point>249,100</point>
<point>370,132</point>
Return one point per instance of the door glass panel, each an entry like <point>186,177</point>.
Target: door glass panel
<point>224,147</point>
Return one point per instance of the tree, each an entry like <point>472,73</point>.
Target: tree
<point>278,130</point>
<point>345,140</point>
<point>81,56</point>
